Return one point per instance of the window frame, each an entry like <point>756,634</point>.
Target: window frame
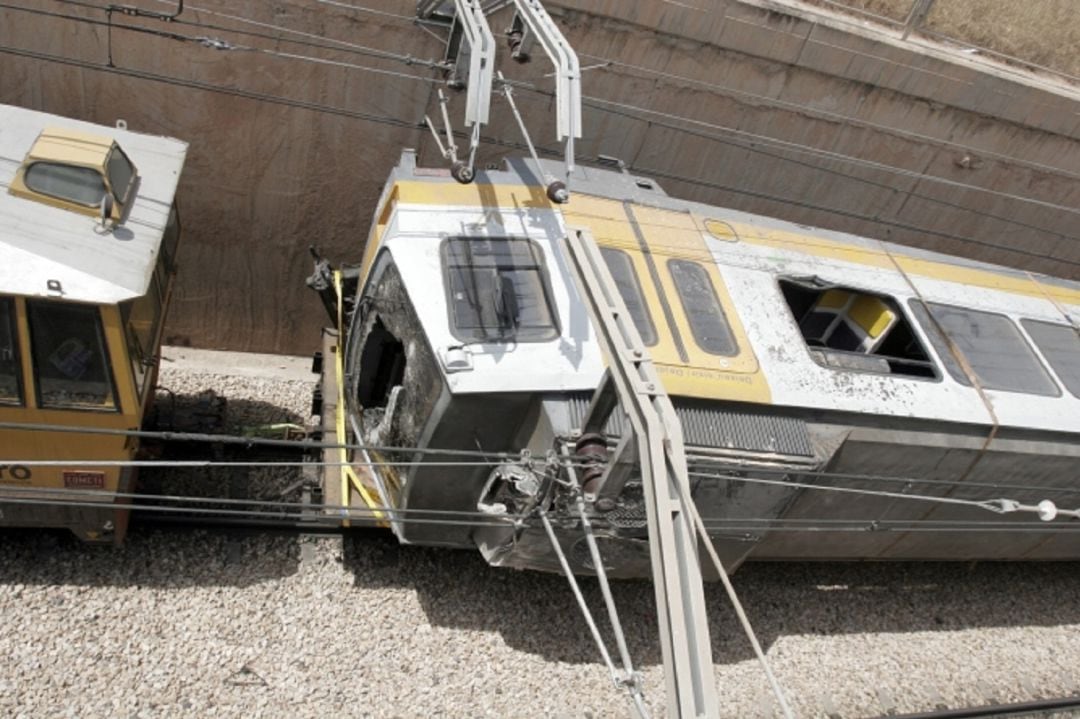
<point>467,336</point>
<point>16,355</point>
<point>653,337</point>
<point>953,367</point>
<point>103,341</point>
<point>736,350</point>
<point>62,198</point>
<point>120,200</point>
<point>1025,322</point>
<point>896,302</point>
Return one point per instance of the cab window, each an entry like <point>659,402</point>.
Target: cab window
<point>10,385</point>
<point>81,185</point>
<point>498,291</point>
<point>67,345</point>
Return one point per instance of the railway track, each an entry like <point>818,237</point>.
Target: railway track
<point>236,615</point>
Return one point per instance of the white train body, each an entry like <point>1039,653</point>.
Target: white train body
<point>794,355</point>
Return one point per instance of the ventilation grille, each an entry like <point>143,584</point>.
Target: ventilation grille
<point>705,426</point>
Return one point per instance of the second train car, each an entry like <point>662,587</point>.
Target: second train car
<point>795,356</point>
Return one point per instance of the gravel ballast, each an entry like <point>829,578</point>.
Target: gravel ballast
<point>225,624</point>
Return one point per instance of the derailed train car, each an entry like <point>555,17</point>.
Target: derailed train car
<point>798,359</point>
<point>88,238</point>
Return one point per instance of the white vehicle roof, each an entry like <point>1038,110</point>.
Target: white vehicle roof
<point>40,243</point>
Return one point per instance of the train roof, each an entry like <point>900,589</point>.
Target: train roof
<point>40,243</point>
<point>622,186</point>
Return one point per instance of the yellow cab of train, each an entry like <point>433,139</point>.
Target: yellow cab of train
<point>88,237</point>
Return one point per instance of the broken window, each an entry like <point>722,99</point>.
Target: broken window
<point>382,366</point>
<point>1060,345</point>
<point>10,371</point>
<point>990,344</point>
<point>702,308</point>
<point>498,290</point>
<point>71,365</point>
<point>852,329</point>
<point>622,271</point>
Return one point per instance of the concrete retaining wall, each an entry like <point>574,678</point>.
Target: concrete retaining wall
<point>715,100</point>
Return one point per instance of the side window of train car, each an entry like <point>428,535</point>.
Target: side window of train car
<point>622,271</point>
<point>1060,345</point>
<point>141,317</point>
<point>847,328</point>
<point>990,344</point>
<point>702,308</point>
<point>10,370</point>
<point>71,367</point>
<point>498,290</point>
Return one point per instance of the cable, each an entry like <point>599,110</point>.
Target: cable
<point>1046,509</point>
<point>598,104</point>
<point>606,62</point>
<point>50,492</point>
<point>210,463</point>
<point>235,439</point>
<point>224,46</point>
<point>790,146</point>
<point>336,46</point>
<point>316,107</point>
<point>347,513</point>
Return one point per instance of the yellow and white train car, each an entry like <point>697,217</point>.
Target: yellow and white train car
<point>88,238</point>
<point>795,356</point>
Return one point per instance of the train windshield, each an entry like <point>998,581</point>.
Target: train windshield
<point>71,366</point>
<point>498,290</point>
<point>10,391</point>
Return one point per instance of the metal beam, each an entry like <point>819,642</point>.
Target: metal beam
<point>673,545</point>
<point>567,73</point>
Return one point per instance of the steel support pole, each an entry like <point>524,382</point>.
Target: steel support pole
<point>673,538</point>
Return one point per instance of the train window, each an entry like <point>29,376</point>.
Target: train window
<point>991,345</point>
<point>498,290</point>
<point>846,328</point>
<point>10,384</point>
<point>82,185</point>
<point>702,308</point>
<point>141,318</point>
<point>382,366</point>
<point>622,271</point>
<point>71,368</point>
<point>1060,345</point>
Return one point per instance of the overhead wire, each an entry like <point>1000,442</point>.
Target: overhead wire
<point>551,152</point>
<point>223,46</point>
<point>789,146</point>
<point>397,122</point>
<point>605,63</point>
<point>997,505</point>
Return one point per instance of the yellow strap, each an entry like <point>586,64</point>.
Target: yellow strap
<point>349,478</point>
